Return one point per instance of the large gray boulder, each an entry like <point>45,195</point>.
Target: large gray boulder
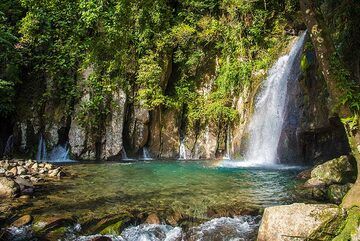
<point>300,221</point>
<point>8,188</point>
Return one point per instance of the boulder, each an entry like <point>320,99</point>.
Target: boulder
<point>8,188</point>
<point>300,222</point>
<point>21,170</point>
<point>335,171</point>
<point>23,182</point>
<point>24,220</point>
<point>152,219</point>
<point>14,171</point>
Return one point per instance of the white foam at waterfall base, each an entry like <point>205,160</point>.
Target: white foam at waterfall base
<point>267,122</point>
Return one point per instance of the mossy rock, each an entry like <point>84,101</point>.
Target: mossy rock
<point>351,226</point>
<point>57,233</point>
<point>111,224</point>
<point>336,192</point>
<point>336,171</point>
<point>43,225</point>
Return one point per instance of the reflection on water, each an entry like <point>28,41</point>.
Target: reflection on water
<point>190,187</point>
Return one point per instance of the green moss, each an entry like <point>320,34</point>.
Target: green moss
<point>350,226</point>
<point>329,227</point>
<point>114,229</point>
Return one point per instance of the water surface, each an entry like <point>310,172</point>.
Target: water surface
<point>193,188</point>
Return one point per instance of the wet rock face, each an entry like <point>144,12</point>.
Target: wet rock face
<point>114,129</point>
<point>300,222</point>
<point>136,128</point>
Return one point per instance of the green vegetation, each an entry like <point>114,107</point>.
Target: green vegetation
<point>137,46</point>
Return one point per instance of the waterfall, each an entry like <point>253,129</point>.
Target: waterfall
<point>146,154</point>
<point>59,153</point>
<point>182,150</point>
<point>228,145</point>
<point>124,155</point>
<point>9,145</point>
<point>267,121</point>
<point>41,152</point>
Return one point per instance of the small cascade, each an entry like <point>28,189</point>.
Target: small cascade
<point>124,155</point>
<point>41,154</point>
<point>60,153</point>
<point>228,145</point>
<point>182,151</point>
<point>9,145</point>
<point>267,121</point>
<point>146,154</point>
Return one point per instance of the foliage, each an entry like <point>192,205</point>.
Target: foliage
<point>214,46</point>
<point>10,57</point>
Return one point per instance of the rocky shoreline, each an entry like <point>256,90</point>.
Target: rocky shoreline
<point>19,177</point>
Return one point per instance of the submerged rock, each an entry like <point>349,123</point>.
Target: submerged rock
<point>300,222</point>
<point>24,220</point>
<point>8,188</point>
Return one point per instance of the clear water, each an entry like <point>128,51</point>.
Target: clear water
<point>188,187</point>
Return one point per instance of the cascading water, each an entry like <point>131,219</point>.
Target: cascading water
<point>41,154</point>
<point>146,154</point>
<point>228,145</point>
<point>9,145</point>
<point>182,150</point>
<point>124,155</point>
<point>267,122</point>
<point>60,153</point>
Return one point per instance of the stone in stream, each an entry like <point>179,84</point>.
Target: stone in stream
<point>335,171</point>
<point>300,221</point>
<point>46,224</point>
<point>14,171</point>
<point>24,220</point>
<point>8,188</point>
<point>152,219</point>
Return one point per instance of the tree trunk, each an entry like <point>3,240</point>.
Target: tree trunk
<point>325,50</point>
